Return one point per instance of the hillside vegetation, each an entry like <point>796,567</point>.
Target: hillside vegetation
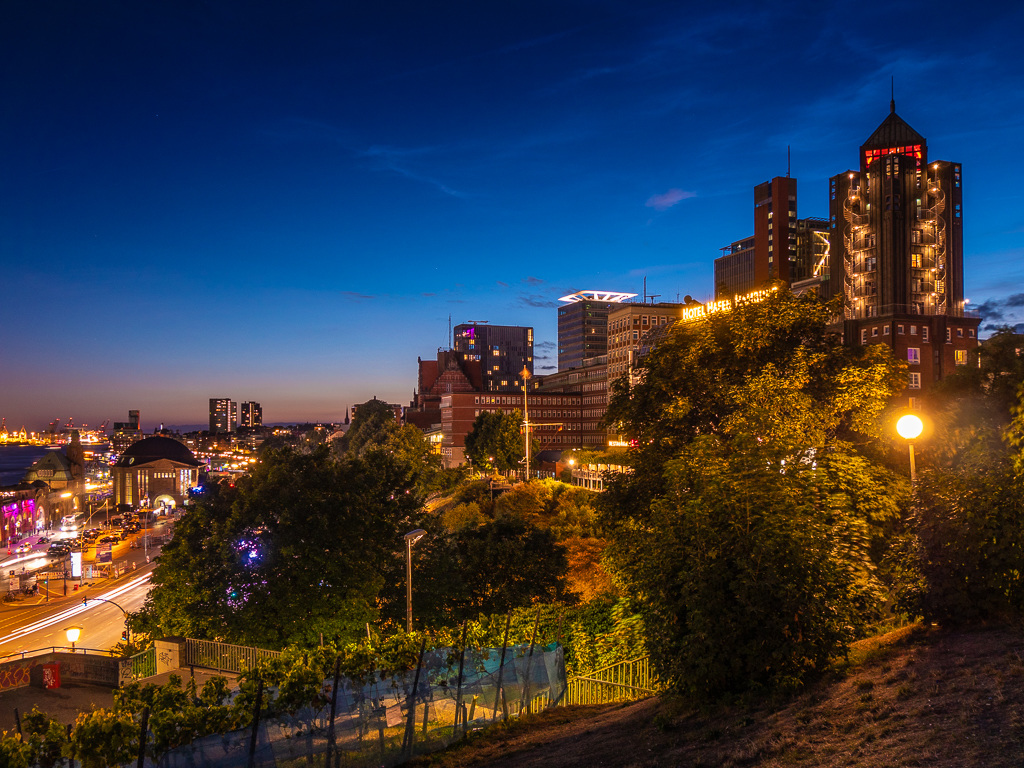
<point>915,697</point>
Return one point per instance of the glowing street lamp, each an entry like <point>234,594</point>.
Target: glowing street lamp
<point>410,538</point>
<point>909,428</point>
<point>73,633</point>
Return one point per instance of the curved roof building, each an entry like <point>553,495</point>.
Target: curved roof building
<point>157,471</point>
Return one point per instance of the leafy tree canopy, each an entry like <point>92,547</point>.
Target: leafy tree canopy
<point>495,441</point>
<point>301,545</point>
<point>372,424</point>
<point>743,533</point>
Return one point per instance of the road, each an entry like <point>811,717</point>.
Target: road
<point>38,623</point>
<point>27,628</point>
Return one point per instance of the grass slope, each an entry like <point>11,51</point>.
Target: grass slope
<point>915,697</point>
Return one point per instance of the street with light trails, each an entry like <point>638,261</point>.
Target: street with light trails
<point>42,626</point>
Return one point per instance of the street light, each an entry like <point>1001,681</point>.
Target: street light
<point>909,428</point>
<point>410,538</point>
<point>73,633</point>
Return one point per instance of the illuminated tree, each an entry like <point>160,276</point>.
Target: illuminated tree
<point>743,532</point>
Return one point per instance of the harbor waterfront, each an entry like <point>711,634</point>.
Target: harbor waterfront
<point>15,459</point>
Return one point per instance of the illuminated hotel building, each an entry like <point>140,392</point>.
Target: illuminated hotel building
<point>501,350</point>
<point>896,252</point>
<point>583,325</point>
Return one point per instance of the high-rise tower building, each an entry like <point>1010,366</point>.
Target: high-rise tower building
<point>896,252</point>
<point>250,415</point>
<point>501,350</point>
<point>222,415</point>
<point>782,247</point>
<point>583,325</point>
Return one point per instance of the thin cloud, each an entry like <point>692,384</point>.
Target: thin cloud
<point>548,367</point>
<point>532,280</point>
<point>537,301</point>
<point>666,200</point>
<point>396,161</point>
<point>545,346</point>
<point>357,296</point>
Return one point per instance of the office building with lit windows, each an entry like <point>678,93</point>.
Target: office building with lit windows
<point>782,247</point>
<point>250,415</point>
<point>222,415</point>
<point>896,252</point>
<point>583,325</point>
<point>501,350</point>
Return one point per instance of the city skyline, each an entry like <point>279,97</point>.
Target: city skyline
<point>288,204</point>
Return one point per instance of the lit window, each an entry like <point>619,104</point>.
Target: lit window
<point>914,355</point>
<point>960,356</point>
<point>913,330</point>
<point>915,380</point>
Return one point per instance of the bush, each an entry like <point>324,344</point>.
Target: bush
<point>970,528</point>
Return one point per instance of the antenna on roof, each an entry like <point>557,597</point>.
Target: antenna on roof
<point>449,330</point>
<point>892,99</point>
<point>787,161</point>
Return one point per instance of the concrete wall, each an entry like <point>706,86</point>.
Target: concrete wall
<point>75,668</point>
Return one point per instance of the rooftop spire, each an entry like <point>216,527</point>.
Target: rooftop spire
<point>892,99</point>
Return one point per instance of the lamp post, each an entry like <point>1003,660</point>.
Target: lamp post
<point>73,633</point>
<point>127,636</point>
<point>909,428</point>
<point>525,373</point>
<point>410,538</point>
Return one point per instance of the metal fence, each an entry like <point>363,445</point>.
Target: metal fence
<point>387,721</point>
<point>625,681</point>
<point>223,657</point>
<point>144,664</point>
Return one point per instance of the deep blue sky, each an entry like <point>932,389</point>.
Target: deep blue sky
<point>284,202</point>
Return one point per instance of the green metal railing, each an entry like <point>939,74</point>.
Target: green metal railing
<point>625,681</point>
<point>144,664</point>
<point>223,657</point>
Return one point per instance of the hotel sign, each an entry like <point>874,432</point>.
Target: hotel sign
<point>703,311</point>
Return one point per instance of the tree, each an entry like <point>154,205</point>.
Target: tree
<point>375,430</point>
<point>495,442</point>
<point>300,546</point>
<point>485,569</point>
<point>966,524</point>
<point>743,533</point>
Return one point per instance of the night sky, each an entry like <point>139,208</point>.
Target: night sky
<point>284,202</point>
